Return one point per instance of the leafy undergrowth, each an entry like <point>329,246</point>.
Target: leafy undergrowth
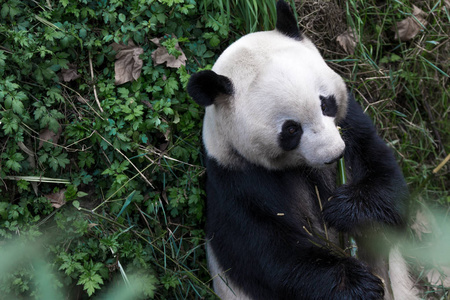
<point>100,147</point>
<point>100,162</point>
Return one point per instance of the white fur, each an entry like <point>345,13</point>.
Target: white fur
<point>275,78</point>
<point>401,283</point>
<point>224,288</point>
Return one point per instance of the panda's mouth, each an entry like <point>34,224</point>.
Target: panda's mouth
<point>334,160</point>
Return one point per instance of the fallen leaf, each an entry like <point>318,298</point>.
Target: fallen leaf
<point>82,100</point>
<point>128,65</point>
<point>439,277</point>
<point>421,224</point>
<point>348,40</point>
<point>161,55</point>
<point>69,74</point>
<point>408,28</point>
<point>147,103</point>
<point>27,151</point>
<point>57,199</point>
<point>164,196</point>
<point>47,134</point>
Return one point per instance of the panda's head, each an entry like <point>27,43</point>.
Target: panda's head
<point>272,100</point>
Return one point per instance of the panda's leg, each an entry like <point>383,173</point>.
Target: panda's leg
<point>223,287</point>
<point>401,283</point>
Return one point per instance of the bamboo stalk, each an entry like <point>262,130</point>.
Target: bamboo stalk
<point>341,180</point>
<point>38,179</point>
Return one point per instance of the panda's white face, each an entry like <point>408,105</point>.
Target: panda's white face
<point>284,105</point>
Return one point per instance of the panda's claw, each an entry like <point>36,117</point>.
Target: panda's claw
<point>342,211</point>
<point>360,283</point>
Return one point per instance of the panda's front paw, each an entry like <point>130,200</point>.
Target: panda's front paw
<point>357,282</point>
<point>345,209</point>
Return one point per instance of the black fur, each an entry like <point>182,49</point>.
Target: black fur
<point>205,86</point>
<point>329,106</point>
<point>263,225</point>
<point>286,22</point>
<point>290,135</point>
<point>375,174</point>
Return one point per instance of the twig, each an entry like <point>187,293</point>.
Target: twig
<point>87,102</point>
<point>424,183</point>
<point>439,167</point>
<point>92,77</point>
<point>140,173</point>
<point>143,217</point>
<point>320,205</point>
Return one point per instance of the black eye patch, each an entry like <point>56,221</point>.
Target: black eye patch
<point>290,135</point>
<point>328,105</point>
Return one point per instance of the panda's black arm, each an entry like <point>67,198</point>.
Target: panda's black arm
<point>377,191</point>
<point>265,262</point>
<point>270,256</point>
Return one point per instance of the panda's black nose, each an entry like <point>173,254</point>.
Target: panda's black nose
<point>335,160</point>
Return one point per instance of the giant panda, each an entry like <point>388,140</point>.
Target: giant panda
<point>274,211</point>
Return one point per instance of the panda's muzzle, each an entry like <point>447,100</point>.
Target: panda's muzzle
<point>335,160</point>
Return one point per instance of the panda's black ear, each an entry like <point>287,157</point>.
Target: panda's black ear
<point>286,22</point>
<point>205,86</point>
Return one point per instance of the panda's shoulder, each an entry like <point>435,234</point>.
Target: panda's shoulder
<point>356,119</point>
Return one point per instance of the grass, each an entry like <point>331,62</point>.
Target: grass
<point>403,86</point>
<point>254,15</point>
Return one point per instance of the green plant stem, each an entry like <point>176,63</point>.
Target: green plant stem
<point>341,180</point>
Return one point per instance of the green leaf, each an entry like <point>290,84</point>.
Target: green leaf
<point>90,282</point>
<point>63,160</point>
<point>76,204</point>
<point>5,10</point>
<point>3,210</point>
<point>83,33</point>
<point>81,194</point>
<point>214,41</point>
<point>13,165</point>
<point>53,163</point>
<point>17,106</point>
<point>127,202</point>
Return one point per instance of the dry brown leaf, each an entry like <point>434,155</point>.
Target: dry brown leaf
<point>57,199</point>
<point>164,196</point>
<point>82,99</point>
<point>348,40</point>
<point>421,224</point>
<point>161,55</point>
<point>47,134</point>
<point>128,65</point>
<point>408,28</point>
<point>69,74</point>
<point>25,149</point>
<point>439,277</point>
